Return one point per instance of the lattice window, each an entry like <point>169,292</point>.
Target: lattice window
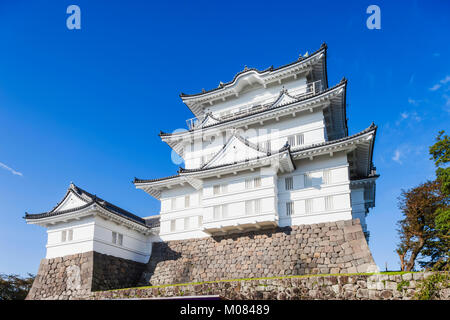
<point>63,236</point>
<point>288,183</point>
<point>174,203</point>
<point>248,183</point>
<point>216,212</point>
<point>308,205</point>
<point>224,188</point>
<point>300,139</point>
<point>258,206</point>
<point>224,211</point>
<point>328,203</point>
<point>327,176</point>
<point>291,140</point>
<point>248,207</point>
<point>187,201</point>
<point>289,208</point>
<point>308,180</point>
<point>257,182</point>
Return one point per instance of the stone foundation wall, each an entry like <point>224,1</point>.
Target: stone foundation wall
<point>335,247</point>
<point>75,276</point>
<point>340,287</point>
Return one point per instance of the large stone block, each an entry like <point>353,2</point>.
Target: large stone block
<point>295,250</point>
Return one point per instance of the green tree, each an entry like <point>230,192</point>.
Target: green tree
<point>439,250</point>
<point>14,287</point>
<point>417,230</point>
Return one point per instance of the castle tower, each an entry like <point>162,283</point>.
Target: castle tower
<point>268,149</point>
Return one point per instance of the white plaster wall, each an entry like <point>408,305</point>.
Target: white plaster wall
<point>338,190</point>
<point>180,213</point>
<point>95,234</point>
<point>359,210</point>
<point>135,246</point>
<point>70,202</point>
<point>258,96</point>
<point>272,195</point>
<point>311,125</point>
<point>83,235</point>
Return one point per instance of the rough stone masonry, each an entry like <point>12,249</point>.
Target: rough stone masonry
<point>76,276</point>
<point>333,247</point>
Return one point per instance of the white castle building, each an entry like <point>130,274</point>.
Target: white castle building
<point>268,149</point>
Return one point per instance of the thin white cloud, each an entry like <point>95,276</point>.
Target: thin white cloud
<point>397,155</point>
<point>4,166</point>
<point>413,102</point>
<point>441,82</point>
<point>435,87</point>
<point>412,116</point>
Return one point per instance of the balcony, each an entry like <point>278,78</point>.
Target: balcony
<point>309,89</point>
<point>240,223</point>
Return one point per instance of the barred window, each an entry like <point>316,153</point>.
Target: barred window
<point>216,212</point>
<point>308,206</point>
<point>186,223</point>
<point>328,203</point>
<point>224,188</point>
<point>200,221</point>
<point>216,189</point>
<point>257,182</point>
<point>289,208</point>
<point>248,207</point>
<point>70,235</point>
<point>187,201</point>
<point>120,239</point>
<point>172,225</point>
<point>288,183</point>
<point>248,183</point>
<point>63,236</point>
<point>224,211</point>
<point>258,206</point>
<point>114,237</point>
<point>327,176</point>
<point>291,140</point>
<point>268,145</point>
<point>308,180</point>
<point>174,203</point>
<point>300,139</point>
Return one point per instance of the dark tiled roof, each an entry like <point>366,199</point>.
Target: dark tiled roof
<point>136,180</point>
<point>269,108</point>
<point>152,222</point>
<point>372,127</point>
<point>89,200</point>
<point>244,141</point>
<point>222,85</point>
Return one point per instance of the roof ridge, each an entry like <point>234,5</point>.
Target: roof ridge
<point>79,192</point>
<point>341,83</point>
<point>323,47</point>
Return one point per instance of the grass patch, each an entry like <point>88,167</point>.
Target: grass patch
<point>402,284</point>
<point>263,278</point>
<point>428,289</point>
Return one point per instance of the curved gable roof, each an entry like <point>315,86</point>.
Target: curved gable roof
<point>86,200</point>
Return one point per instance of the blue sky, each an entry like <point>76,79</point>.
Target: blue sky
<point>86,105</point>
